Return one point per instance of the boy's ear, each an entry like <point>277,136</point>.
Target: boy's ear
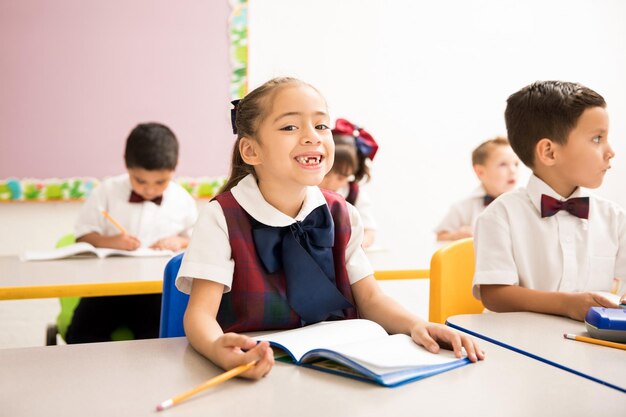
<point>479,170</point>
<point>249,152</point>
<point>545,152</point>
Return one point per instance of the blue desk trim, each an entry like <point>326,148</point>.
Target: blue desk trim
<point>539,358</point>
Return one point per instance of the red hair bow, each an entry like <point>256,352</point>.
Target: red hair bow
<point>365,143</point>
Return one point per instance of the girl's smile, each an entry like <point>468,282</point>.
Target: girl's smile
<point>310,160</point>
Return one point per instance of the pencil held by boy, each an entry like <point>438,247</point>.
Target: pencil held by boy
<point>355,148</point>
<point>496,166</point>
<point>550,247</point>
<point>274,251</point>
<point>142,208</point>
<point>154,211</point>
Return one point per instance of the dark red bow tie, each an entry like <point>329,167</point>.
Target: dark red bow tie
<point>136,198</point>
<point>488,199</point>
<point>577,206</point>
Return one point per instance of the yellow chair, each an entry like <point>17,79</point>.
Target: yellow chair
<point>451,273</point>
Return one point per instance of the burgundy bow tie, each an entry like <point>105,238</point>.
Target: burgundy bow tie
<point>136,198</point>
<point>578,206</point>
<point>488,199</point>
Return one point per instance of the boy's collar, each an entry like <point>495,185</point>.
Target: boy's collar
<point>536,187</point>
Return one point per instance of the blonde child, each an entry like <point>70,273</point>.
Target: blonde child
<point>263,255</point>
<point>496,166</point>
<point>353,148</point>
<point>550,246</point>
<point>154,211</point>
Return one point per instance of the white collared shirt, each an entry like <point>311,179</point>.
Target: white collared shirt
<point>464,212</point>
<point>147,221</point>
<point>514,245</point>
<point>363,205</point>
<point>209,253</point>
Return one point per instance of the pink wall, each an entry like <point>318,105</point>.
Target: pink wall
<point>76,76</point>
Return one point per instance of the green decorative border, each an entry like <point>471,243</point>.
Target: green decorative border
<point>77,189</point>
<point>239,48</point>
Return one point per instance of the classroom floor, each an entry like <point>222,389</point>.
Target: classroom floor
<point>23,322</point>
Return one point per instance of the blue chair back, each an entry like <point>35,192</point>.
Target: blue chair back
<point>174,302</point>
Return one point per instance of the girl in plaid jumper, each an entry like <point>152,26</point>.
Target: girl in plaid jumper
<point>273,251</point>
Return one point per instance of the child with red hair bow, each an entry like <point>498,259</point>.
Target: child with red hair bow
<point>355,148</point>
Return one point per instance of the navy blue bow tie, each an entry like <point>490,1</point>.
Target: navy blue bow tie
<point>305,252</point>
<point>487,199</point>
<point>577,206</point>
<point>136,198</point>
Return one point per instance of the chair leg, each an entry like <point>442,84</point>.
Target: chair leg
<point>51,335</point>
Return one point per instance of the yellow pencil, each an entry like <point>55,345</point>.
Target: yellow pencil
<point>115,222</point>
<point>208,384</point>
<point>595,341</point>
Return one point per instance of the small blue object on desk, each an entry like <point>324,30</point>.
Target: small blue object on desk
<point>607,323</point>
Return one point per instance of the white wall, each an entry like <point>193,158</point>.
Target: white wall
<point>430,81</point>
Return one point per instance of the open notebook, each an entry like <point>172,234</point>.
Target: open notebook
<point>360,349</point>
<point>83,249</point>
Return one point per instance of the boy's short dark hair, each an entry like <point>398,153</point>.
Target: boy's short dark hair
<point>151,146</point>
<point>482,151</point>
<point>545,109</point>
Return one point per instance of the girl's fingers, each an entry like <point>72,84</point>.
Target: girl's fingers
<point>264,356</point>
<point>470,348</point>
<point>456,343</point>
<point>427,341</point>
<point>238,341</point>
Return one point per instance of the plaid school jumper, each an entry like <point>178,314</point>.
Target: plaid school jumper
<point>353,192</point>
<point>258,300</point>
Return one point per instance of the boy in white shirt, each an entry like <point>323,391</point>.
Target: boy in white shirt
<point>154,211</point>
<point>495,165</point>
<point>549,247</point>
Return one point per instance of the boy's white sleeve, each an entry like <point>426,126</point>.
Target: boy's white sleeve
<point>209,255</point>
<point>620,259</point>
<point>90,218</point>
<point>364,206</point>
<point>452,221</point>
<point>357,263</point>
<point>191,216</point>
<point>493,253</point>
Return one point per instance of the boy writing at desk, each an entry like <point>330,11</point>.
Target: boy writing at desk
<point>547,247</point>
<point>153,212</point>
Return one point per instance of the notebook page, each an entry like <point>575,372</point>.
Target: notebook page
<point>325,335</point>
<point>395,351</point>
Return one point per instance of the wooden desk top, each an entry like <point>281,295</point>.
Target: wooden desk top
<point>131,378</point>
<point>541,335</point>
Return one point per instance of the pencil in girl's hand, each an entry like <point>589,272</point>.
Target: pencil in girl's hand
<point>114,222</point>
<point>205,385</point>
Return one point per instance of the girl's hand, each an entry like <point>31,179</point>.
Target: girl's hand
<point>231,350</point>
<point>432,336</point>
<point>173,243</point>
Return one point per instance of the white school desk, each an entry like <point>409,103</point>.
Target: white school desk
<point>131,378</point>
<point>80,277</point>
<point>90,277</point>
<point>540,336</point>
